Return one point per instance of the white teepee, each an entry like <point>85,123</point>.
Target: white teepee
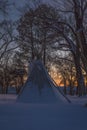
<point>39,87</point>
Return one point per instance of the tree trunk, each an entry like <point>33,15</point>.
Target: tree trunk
<point>71,87</point>
<point>32,44</point>
<point>79,75</point>
<point>64,86</point>
<point>70,81</point>
<point>79,16</point>
<point>44,56</point>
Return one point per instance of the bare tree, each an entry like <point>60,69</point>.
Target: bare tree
<point>75,37</point>
<point>33,32</point>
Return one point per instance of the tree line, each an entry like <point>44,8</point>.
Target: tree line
<point>54,34</point>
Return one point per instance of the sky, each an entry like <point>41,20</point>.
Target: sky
<point>15,13</point>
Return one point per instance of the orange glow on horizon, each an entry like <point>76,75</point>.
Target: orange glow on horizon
<point>57,78</point>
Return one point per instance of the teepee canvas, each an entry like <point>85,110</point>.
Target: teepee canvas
<point>39,87</point>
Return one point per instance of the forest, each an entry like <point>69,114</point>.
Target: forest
<point>53,32</point>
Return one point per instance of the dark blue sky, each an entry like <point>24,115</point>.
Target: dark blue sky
<point>14,12</point>
<point>18,4</point>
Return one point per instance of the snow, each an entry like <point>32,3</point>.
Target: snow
<point>6,98</point>
<point>40,106</point>
<point>36,116</point>
<point>78,100</point>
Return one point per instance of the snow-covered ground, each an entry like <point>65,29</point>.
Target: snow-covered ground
<point>29,116</point>
<point>78,100</point>
<point>40,106</point>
